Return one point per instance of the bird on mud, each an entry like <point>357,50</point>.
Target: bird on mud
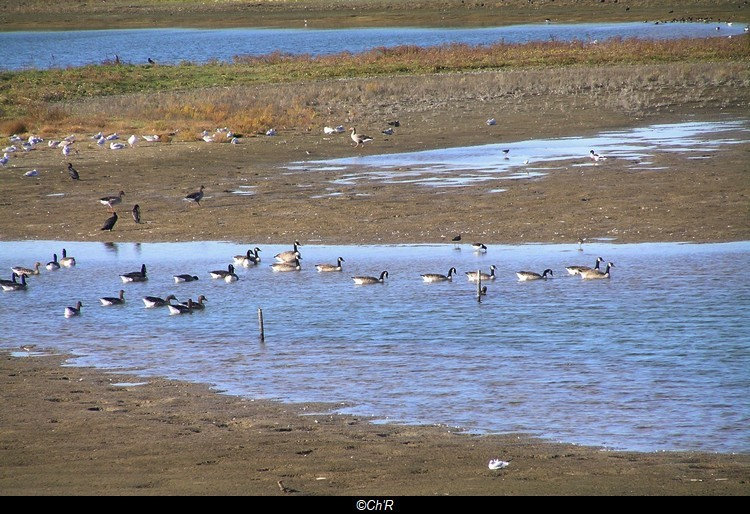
<point>73,172</point>
<point>196,196</point>
<point>137,213</point>
<point>111,201</point>
<point>110,223</point>
<point>360,139</point>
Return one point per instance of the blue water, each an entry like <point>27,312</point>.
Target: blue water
<point>461,166</point>
<point>656,358</point>
<point>61,49</point>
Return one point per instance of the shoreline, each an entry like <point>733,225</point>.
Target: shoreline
<point>69,430</point>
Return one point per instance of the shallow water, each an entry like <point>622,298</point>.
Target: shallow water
<point>461,166</point>
<point>61,49</point>
<point>656,358</point>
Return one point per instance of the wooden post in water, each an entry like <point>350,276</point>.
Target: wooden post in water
<point>260,325</point>
<point>479,285</point>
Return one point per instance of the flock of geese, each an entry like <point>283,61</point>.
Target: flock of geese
<point>287,261</point>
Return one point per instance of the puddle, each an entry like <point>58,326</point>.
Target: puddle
<point>463,166</point>
<point>128,384</point>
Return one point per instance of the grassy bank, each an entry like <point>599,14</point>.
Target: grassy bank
<point>255,93</point>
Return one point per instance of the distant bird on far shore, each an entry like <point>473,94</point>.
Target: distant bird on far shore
<point>196,196</point>
<point>394,123</point>
<point>73,172</point>
<point>388,131</point>
<point>137,213</point>
<point>110,223</point>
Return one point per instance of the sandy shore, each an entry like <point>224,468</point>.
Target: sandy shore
<point>72,431</point>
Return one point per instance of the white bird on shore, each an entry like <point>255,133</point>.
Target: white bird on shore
<point>491,121</point>
<point>116,146</point>
<point>52,143</point>
<point>32,173</point>
<point>208,138</point>
<point>152,138</point>
<point>112,137</point>
<point>498,464</point>
<point>596,157</point>
<point>10,149</point>
<point>4,159</point>
<point>271,132</point>
<point>101,141</point>
<point>132,140</point>
<point>66,150</point>
<point>329,130</point>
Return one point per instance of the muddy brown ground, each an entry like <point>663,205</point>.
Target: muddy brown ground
<point>70,431</point>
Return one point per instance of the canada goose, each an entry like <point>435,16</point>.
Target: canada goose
<point>180,308</point>
<point>135,276</point>
<point>20,270</point>
<point>16,286</point>
<point>251,258</point>
<point>479,247</point>
<point>577,270</point>
<point>72,172</point>
<point>371,280</point>
<point>66,261</point>
<point>184,278</point>
<point>110,223</point>
<point>360,139</point>
<point>595,273</point>
<point>12,280</point>
<point>137,213</point>
<point>111,201</point>
<point>219,273</point>
<point>73,311</point>
<point>196,197</point>
<point>525,276</point>
<point>287,266</point>
<point>54,264</point>
<point>330,267</point>
<point>155,301</point>
<point>472,275</point>
<point>108,300</point>
<point>197,305</point>
<point>231,277</point>
<point>436,277</point>
<point>289,255</point>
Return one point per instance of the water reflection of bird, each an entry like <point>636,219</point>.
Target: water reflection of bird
<point>73,172</point>
<point>110,223</point>
<point>137,213</point>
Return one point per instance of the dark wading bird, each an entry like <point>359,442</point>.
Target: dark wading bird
<point>137,213</point>
<point>195,197</point>
<point>72,171</point>
<point>110,223</point>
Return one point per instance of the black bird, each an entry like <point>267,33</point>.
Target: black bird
<point>456,240</point>
<point>110,223</point>
<point>137,213</point>
<point>195,197</point>
<point>151,61</point>
<point>73,173</point>
<point>505,152</point>
<point>394,123</point>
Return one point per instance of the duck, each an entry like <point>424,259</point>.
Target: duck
<point>196,197</point>
<point>436,277</point>
<point>330,267</point>
<point>371,280</point>
<point>66,261</point>
<point>251,258</point>
<point>595,273</point>
<point>197,305</point>
<point>525,276</point>
<point>54,264</point>
<point>16,286</point>
<point>576,270</point>
<point>135,276</point>
<point>155,301</point>
<point>108,300</point>
<point>181,308</point>
<point>109,224</point>
<point>472,275</point>
<point>20,270</point>
<point>111,201</point>
<point>222,273</point>
<point>184,278</point>
<point>479,247</point>
<point>287,266</point>
<point>289,255</point>
<point>360,139</point>
<point>73,311</point>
